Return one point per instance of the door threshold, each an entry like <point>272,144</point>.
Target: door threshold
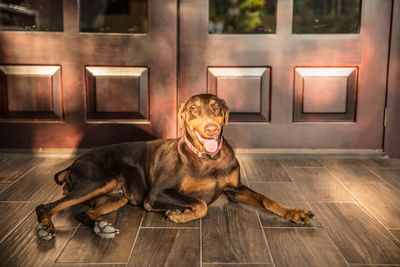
<point>241,152</point>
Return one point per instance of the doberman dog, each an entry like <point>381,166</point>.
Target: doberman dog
<point>179,177</point>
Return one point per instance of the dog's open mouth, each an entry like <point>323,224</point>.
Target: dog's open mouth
<point>210,145</point>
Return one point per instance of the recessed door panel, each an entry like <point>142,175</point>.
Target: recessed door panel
<point>325,94</point>
<point>117,93</point>
<point>31,93</point>
<point>247,90</point>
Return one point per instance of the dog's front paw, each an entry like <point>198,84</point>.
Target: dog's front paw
<point>175,216</point>
<point>45,232</point>
<point>105,230</point>
<point>300,216</point>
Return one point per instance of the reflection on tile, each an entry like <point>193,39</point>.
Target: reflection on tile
<point>350,171</point>
<point>354,231</point>
<point>319,185</point>
<point>381,200</point>
<point>304,247</point>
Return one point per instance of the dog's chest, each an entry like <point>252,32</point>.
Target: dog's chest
<point>207,188</point>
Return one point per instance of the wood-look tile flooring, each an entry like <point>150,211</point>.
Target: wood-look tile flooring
<point>357,203</point>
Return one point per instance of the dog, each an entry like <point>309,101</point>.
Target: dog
<point>179,177</point>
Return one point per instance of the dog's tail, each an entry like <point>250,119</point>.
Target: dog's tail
<point>61,177</point>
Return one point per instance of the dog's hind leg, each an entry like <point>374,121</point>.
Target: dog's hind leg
<point>177,207</point>
<point>102,205</point>
<point>82,192</point>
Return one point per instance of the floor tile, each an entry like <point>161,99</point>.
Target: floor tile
<point>263,170</point>
<point>381,200</point>
<point>12,214</point>
<point>318,185</point>
<point>303,247</point>
<point>381,163</point>
<point>232,234</point>
<point>36,185</point>
<point>23,248</point>
<point>359,237</point>
<point>350,171</point>
<point>300,162</point>
<point>86,246</point>
<point>166,247</point>
<point>13,168</point>
<point>392,176</point>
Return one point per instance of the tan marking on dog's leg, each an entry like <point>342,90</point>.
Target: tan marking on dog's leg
<point>44,215</point>
<point>196,211</point>
<point>65,204</point>
<point>104,205</point>
<point>245,195</point>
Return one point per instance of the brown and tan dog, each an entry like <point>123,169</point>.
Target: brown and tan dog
<point>177,176</point>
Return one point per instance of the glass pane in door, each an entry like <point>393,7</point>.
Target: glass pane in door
<point>113,16</point>
<point>326,16</point>
<point>242,16</point>
<point>31,15</point>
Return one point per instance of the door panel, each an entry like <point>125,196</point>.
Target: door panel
<point>99,88</point>
<point>327,90</point>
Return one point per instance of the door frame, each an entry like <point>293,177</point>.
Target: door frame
<point>392,114</point>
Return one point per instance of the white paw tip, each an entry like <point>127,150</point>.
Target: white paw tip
<point>105,230</point>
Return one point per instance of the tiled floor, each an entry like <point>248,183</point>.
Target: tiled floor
<point>357,202</point>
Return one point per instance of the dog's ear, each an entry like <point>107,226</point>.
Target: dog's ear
<point>226,116</point>
<point>225,110</point>
<point>181,115</point>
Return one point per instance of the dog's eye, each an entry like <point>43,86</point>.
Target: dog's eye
<point>216,108</point>
<point>193,109</point>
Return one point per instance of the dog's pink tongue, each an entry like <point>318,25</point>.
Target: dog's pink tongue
<point>210,145</point>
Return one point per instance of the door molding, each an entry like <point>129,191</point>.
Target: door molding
<point>392,130</point>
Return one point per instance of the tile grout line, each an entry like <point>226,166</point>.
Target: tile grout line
<point>362,205</point>
<point>244,173</point>
<point>89,263</point>
<point>201,241</point>
<point>377,167</point>
<point>236,263</point>
<point>134,242</point>
<point>169,227</point>
<point>334,244</point>
<point>374,264</point>
<point>303,167</point>
<point>19,201</point>
<point>19,178</point>
<point>292,227</point>
<point>265,239</point>
<point>16,226</point>
<point>298,188</point>
<point>384,181</point>
<point>309,203</point>
<point>69,240</point>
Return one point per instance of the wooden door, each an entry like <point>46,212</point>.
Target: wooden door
<point>68,80</point>
<point>295,73</point>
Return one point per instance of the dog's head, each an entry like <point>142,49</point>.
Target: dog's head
<point>203,117</point>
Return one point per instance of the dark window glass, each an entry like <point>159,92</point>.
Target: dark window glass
<point>326,16</point>
<point>31,15</point>
<point>113,16</point>
<point>242,16</point>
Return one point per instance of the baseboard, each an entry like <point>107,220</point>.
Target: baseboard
<point>243,152</point>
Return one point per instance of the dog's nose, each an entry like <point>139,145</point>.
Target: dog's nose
<point>211,129</point>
